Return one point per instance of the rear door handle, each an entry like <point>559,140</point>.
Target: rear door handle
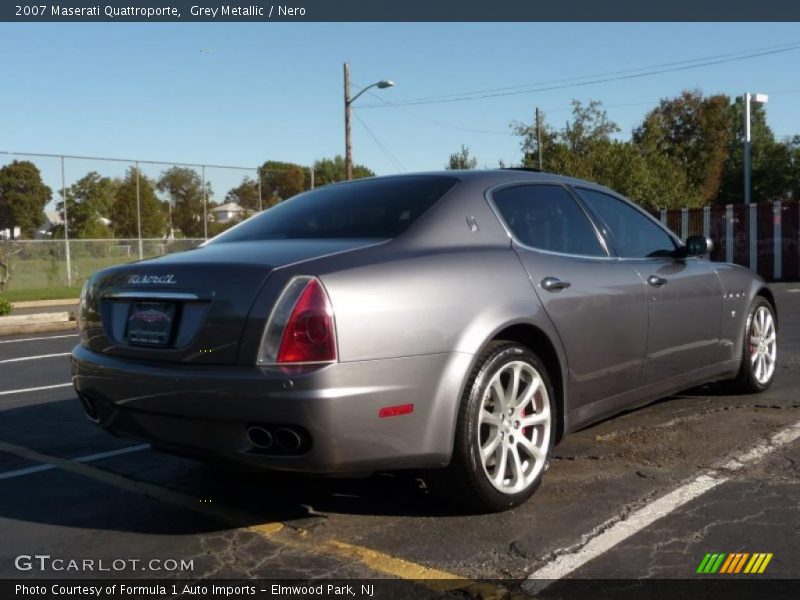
<point>656,281</point>
<point>554,284</point>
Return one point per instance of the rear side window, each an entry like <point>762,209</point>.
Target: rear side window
<point>634,234</point>
<point>366,208</point>
<point>547,217</point>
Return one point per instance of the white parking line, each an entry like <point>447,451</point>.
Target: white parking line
<point>23,358</point>
<point>572,559</point>
<point>81,459</point>
<point>36,339</point>
<point>35,389</point>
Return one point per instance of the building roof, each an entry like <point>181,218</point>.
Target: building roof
<point>229,207</point>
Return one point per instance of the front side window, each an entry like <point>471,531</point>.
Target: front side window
<point>367,208</point>
<point>634,235</point>
<point>547,217</point>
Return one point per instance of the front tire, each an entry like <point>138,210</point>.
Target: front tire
<point>759,352</point>
<point>505,431</point>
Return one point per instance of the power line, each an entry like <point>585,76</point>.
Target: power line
<point>619,72</point>
<point>391,157</point>
<point>515,90</point>
<point>436,121</point>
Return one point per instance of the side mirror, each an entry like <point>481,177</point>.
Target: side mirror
<point>697,245</point>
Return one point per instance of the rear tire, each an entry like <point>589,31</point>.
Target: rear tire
<point>759,350</point>
<point>504,433</point>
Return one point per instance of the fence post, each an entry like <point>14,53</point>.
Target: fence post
<point>729,233</point>
<point>138,211</point>
<point>66,224</point>
<point>260,205</point>
<point>684,223</point>
<point>707,221</point>
<point>205,204</point>
<point>753,236</point>
<point>664,217</point>
<point>777,239</point>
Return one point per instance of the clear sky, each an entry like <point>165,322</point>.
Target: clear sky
<point>242,93</point>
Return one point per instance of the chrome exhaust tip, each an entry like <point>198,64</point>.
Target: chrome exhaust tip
<point>288,439</point>
<point>259,437</point>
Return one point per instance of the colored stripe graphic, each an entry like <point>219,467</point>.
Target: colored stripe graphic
<point>737,562</point>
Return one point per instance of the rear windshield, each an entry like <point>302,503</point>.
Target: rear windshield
<point>366,208</point>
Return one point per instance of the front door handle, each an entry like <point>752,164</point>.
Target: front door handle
<point>554,284</point>
<point>656,281</point>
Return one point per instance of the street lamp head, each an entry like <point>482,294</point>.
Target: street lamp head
<point>385,83</point>
<point>760,98</point>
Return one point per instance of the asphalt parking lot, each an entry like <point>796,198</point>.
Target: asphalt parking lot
<point>645,494</point>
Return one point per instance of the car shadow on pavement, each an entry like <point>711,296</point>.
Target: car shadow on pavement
<point>59,429</point>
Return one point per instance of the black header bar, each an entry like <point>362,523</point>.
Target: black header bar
<point>398,10</point>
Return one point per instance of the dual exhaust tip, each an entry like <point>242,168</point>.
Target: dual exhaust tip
<point>285,439</point>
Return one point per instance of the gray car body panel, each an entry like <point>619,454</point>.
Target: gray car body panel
<point>412,316</point>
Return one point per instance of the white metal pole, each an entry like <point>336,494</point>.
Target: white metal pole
<point>66,223</point>
<point>138,212</point>
<point>260,201</point>
<point>205,205</point>
<point>747,97</point>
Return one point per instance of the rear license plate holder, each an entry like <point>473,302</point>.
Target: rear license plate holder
<point>150,324</point>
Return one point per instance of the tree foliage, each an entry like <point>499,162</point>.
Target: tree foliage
<point>124,220</point>
<point>184,189</point>
<point>331,170</point>
<point>695,131</point>
<point>281,180</point>
<point>461,160</point>
<point>23,196</point>
<point>245,194</point>
<point>89,199</point>
<point>687,152</point>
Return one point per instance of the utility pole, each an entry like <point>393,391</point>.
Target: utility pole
<point>348,146</point>
<point>348,101</point>
<point>539,137</point>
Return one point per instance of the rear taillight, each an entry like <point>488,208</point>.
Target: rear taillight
<point>300,328</point>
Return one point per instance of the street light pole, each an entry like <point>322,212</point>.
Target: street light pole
<point>348,103</point>
<point>761,99</point>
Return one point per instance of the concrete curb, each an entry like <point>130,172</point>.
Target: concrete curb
<point>37,323</point>
<point>41,303</point>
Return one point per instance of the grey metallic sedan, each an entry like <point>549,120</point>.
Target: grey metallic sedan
<point>462,321</point>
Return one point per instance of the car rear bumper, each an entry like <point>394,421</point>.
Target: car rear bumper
<point>205,411</point>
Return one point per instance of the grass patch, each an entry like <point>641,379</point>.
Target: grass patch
<point>51,293</point>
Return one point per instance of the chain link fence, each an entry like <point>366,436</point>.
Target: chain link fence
<point>58,256</point>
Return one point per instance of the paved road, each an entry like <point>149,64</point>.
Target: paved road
<point>592,517</point>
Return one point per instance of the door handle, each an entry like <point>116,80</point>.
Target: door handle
<point>554,284</point>
<point>656,281</point>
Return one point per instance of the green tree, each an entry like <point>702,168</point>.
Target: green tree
<point>282,180</point>
<point>331,170</point>
<point>245,194</point>
<point>461,160</point>
<point>695,131</point>
<point>124,219</point>
<point>23,196</point>
<point>585,149</point>
<point>88,200</point>
<point>184,189</point>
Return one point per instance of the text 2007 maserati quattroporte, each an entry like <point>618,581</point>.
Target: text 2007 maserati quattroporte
<point>463,320</point>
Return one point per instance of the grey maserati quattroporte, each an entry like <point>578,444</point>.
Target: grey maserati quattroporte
<point>462,321</point>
